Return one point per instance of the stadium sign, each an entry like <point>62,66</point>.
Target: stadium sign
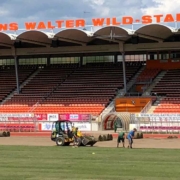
<point>75,117</point>
<point>17,115</point>
<point>126,20</point>
<point>144,115</point>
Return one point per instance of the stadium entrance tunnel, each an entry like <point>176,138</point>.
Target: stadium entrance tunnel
<point>122,120</point>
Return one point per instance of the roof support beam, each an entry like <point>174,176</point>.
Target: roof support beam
<point>110,40</point>
<point>70,40</point>
<point>149,37</point>
<point>6,45</point>
<point>111,48</point>
<point>34,42</point>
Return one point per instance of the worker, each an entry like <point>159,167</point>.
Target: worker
<point>75,136</point>
<point>73,128</point>
<point>115,126</point>
<point>121,137</point>
<point>79,133</point>
<point>130,137</point>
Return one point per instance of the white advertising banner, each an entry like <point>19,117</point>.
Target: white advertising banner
<point>83,126</point>
<point>16,115</point>
<point>160,117</point>
<point>53,117</point>
<point>47,126</point>
<point>157,115</point>
<point>3,119</point>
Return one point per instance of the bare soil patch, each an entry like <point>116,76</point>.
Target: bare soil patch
<point>138,143</point>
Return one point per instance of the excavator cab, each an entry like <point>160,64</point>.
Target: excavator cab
<point>62,130</point>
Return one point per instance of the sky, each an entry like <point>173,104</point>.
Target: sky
<point>21,11</point>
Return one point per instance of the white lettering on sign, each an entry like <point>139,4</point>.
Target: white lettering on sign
<point>83,126</point>
<point>47,126</point>
<point>74,116</point>
<point>53,117</point>
<point>157,115</point>
<point>16,115</point>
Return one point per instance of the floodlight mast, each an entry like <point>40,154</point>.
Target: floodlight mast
<point>85,12</point>
<point>121,49</point>
<point>16,60</point>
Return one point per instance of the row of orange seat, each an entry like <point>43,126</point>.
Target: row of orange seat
<point>71,89</point>
<point>168,86</point>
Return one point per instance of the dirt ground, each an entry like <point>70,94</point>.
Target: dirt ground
<point>138,143</point>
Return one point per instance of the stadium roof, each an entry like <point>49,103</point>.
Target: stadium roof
<point>155,32</point>
<point>152,33</point>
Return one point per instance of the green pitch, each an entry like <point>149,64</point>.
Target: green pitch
<point>60,163</point>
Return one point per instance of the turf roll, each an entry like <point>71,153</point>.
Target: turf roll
<point>100,138</point>
<point>2,134</point>
<point>104,138</point>
<point>8,134</point>
<point>140,135</point>
<point>136,135</point>
<point>111,137</point>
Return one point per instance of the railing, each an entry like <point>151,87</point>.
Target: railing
<point>146,107</point>
<point>144,81</point>
<point>133,94</point>
<point>34,107</point>
<point>156,123</point>
<point>19,126</point>
<point>42,126</point>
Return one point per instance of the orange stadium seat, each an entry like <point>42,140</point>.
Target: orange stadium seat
<point>70,88</point>
<point>148,75</point>
<point>169,87</point>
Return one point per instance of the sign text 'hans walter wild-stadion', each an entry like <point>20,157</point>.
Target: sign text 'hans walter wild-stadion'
<point>126,20</point>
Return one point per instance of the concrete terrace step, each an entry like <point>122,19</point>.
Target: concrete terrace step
<point>120,93</point>
<point>21,86</point>
<point>153,84</point>
<point>115,135</point>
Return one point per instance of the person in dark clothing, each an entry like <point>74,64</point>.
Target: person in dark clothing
<point>115,126</point>
<point>121,137</point>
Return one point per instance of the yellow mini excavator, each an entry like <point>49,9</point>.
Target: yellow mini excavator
<point>63,135</point>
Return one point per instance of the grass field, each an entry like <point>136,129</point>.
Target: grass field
<point>59,163</point>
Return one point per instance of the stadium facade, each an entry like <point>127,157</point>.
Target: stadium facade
<point>152,44</point>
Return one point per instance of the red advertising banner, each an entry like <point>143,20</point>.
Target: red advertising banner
<point>41,117</point>
<point>75,117</point>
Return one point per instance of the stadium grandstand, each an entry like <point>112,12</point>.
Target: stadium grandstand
<point>109,73</point>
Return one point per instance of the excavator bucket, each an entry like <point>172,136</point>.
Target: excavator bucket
<point>88,140</point>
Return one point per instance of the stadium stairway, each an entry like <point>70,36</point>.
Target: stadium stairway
<point>8,79</point>
<point>61,89</point>
<point>120,93</point>
<point>155,104</point>
<point>37,88</point>
<point>21,86</point>
<point>87,90</point>
<point>151,110</point>
<point>147,92</point>
<point>168,89</point>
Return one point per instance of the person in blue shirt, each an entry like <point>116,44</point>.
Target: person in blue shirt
<point>130,137</point>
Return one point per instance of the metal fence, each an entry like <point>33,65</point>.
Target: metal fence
<point>19,126</point>
<point>155,123</point>
<point>147,107</point>
<point>40,126</point>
